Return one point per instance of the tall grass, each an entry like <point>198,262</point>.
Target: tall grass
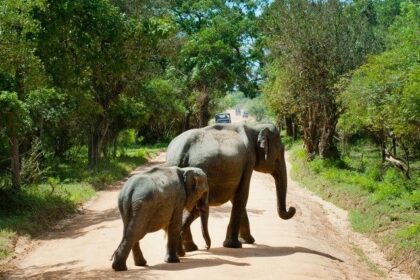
<point>67,184</point>
<point>381,202</point>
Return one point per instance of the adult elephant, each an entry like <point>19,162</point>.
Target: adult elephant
<point>228,154</point>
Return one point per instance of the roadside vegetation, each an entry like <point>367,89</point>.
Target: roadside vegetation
<point>382,203</point>
<point>343,77</point>
<point>60,190</point>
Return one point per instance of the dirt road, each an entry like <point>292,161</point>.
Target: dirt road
<point>315,244</point>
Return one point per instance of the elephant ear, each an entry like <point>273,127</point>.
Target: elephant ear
<point>189,180</point>
<point>263,141</point>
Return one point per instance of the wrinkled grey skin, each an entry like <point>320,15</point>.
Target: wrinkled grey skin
<point>228,154</point>
<point>155,200</point>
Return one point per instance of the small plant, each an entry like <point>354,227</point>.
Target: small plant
<point>100,180</point>
<point>317,165</point>
<point>31,171</point>
<point>53,182</point>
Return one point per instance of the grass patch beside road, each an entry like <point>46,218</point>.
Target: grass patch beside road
<point>381,202</point>
<point>67,185</point>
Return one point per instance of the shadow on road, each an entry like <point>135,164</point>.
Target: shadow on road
<point>58,272</point>
<point>82,224</point>
<point>225,210</point>
<point>189,263</point>
<point>259,250</point>
<point>67,271</point>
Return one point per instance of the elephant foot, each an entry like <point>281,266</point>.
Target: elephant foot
<point>181,252</point>
<point>190,246</point>
<point>230,243</point>
<point>119,266</point>
<point>247,239</point>
<point>142,262</point>
<point>171,259</point>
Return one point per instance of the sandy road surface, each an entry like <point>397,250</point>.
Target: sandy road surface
<point>316,244</point>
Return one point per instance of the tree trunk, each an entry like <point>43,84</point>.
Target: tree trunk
<point>96,138</point>
<point>115,146</point>
<point>394,145</point>
<point>407,157</point>
<point>15,165</point>
<point>93,151</point>
<point>327,147</point>
<point>289,126</point>
<point>382,145</point>
<point>14,144</point>
<point>203,113</point>
<point>294,129</point>
<point>310,121</point>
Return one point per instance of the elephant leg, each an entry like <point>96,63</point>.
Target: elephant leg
<point>134,230</point>
<point>245,231</point>
<point>120,257</point>
<point>123,250</point>
<point>238,208</point>
<point>173,231</point>
<point>138,255</point>
<point>180,251</point>
<point>187,238</point>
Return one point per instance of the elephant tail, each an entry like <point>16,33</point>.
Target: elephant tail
<point>113,255</point>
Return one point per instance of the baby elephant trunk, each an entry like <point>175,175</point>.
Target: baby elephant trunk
<point>203,207</point>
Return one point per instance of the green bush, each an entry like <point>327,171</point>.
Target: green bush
<point>127,138</point>
<point>374,171</point>
<point>101,180</point>
<point>379,198</point>
<point>317,165</point>
<point>414,199</point>
<point>386,191</point>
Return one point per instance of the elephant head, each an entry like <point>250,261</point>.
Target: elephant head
<point>197,190</point>
<point>270,159</point>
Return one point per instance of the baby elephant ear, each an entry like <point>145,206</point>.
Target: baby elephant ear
<point>189,181</point>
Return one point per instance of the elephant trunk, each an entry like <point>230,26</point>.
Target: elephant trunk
<point>280,177</point>
<point>203,206</point>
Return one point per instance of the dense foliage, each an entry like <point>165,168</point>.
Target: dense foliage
<point>345,75</point>
<point>388,85</point>
<point>311,44</point>
<point>345,69</point>
<point>77,74</point>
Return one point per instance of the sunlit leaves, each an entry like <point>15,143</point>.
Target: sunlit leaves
<point>388,85</point>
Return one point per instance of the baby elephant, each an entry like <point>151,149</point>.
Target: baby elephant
<point>155,200</point>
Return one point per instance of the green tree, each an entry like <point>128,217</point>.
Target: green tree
<point>57,117</point>
<point>14,120</point>
<point>313,44</point>
<point>165,110</point>
<point>91,48</point>
<point>214,58</point>
<point>20,69</point>
<point>389,87</point>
